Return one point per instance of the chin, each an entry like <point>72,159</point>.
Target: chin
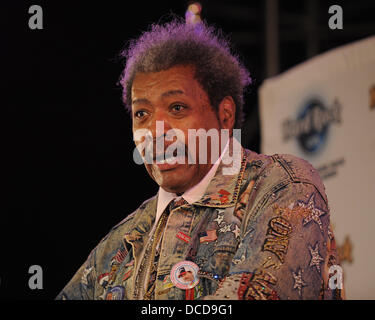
<point>173,180</point>
<point>175,186</point>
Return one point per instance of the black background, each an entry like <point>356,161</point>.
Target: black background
<point>67,144</point>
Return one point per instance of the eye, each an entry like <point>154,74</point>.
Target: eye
<point>177,108</point>
<point>140,114</point>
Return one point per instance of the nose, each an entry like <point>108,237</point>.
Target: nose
<point>159,125</point>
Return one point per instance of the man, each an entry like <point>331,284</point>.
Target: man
<point>258,231</point>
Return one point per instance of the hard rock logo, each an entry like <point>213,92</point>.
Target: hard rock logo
<point>312,124</point>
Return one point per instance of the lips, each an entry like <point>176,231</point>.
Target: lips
<point>167,161</point>
<point>170,162</point>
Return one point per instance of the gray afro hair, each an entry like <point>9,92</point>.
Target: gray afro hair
<point>218,70</point>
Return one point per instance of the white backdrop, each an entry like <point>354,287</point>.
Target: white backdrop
<point>324,111</point>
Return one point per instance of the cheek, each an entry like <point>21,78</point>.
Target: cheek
<point>154,173</point>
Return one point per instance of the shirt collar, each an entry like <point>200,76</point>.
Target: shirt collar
<point>193,194</point>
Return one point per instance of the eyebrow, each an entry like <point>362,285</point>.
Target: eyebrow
<point>172,93</point>
<point>164,95</point>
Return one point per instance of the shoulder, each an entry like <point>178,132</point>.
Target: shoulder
<point>284,169</point>
<point>301,171</point>
<point>115,237</point>
<point>127,223</point>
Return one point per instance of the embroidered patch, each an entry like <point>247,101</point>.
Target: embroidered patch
<point>223,197</point>
<point>109,277</point>
<point>268,263</point>
<point>113,273</point>
<point>220,216</point>
<point>314,213</point>
<point>291,211</point>
<point>257,286</point>
<point>236,231</point>
<point>316,259</point>
<point>182,236</point>
<point>280,226</point>
<point>224,192</point>
<point>259,289</point>
<point>277,239</point>
<point>207,236</point>
<point>103,279</point>
<point>116,293</point>
<point>244,285</point>
<point>298,282</point>
<point>119,256</point>
<point>127,275</point>
<point>225,228</point>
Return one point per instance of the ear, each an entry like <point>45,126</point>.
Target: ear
<point>227,113</point>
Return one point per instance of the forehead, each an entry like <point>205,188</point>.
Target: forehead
<point>156,83</point>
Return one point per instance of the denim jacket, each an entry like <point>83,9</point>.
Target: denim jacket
<point>272,240</point>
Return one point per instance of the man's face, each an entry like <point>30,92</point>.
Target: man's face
<point>188,276</point>
<point>176,98</point>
